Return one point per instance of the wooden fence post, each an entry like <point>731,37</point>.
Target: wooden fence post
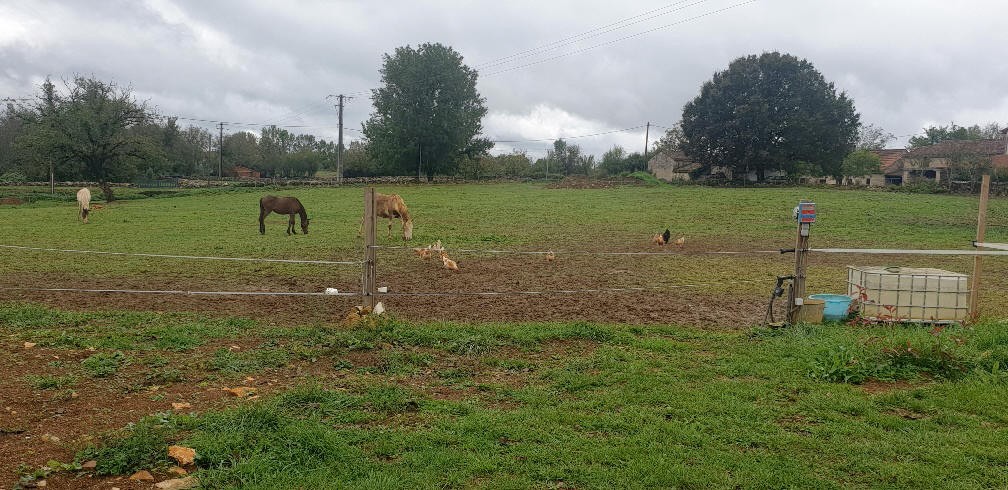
<point>798,283</point>
<point>981,232</point>
<point>368,288</point>
<point>805,216</point>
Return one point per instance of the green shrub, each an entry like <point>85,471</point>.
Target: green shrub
<point>941,354</point>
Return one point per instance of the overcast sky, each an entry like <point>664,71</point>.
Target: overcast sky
<point>906,64</point>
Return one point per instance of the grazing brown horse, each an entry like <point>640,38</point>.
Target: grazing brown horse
<point>282,205</point>
<point>392,207</point>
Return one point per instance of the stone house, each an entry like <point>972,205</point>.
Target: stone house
<point>672,166</point>
<point>950,160</point>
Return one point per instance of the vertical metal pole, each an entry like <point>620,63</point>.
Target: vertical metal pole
<point>801,262</point>
<point>220,151</point>
<point>647,133</point>
<point>368,283</point>
<point>339,146</point>
<point>974,306</point>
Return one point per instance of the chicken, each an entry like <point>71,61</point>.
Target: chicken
<point>661,239</point>
<point>679,242</point>
<point>423,252</point>
<point>449,263</point>
<point>436,246</point>
<point>550,256</point>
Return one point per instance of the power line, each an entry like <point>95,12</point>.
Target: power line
<point>243,124</point>
<point>314,107</point>
<point>590,34</point>
<point>621,39</point>
<point>569,137</point>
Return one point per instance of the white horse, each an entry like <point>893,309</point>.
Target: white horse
<point>84,203</point>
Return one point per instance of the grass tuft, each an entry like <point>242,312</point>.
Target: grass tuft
<point>49,382</point>
<point>104,364</point>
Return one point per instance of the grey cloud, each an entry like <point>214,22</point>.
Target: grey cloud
<point>903,64</point>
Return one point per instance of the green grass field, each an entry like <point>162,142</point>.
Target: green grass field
<point>500,404</point>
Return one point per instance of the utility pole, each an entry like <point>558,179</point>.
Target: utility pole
<point>647,133</point>
<point>419,167</point>
<point>220,150</point>
<point>339,145</point>
<point>206,157</point>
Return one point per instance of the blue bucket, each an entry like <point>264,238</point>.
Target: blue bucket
<point>836,305</point>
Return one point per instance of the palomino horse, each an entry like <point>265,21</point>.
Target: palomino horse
<point>391,206</point>
<point>282,205</point>
<point>83,203</point>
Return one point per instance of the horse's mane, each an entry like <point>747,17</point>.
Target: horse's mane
<point>401,205</point>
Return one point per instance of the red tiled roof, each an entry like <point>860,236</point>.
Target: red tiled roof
<point>960,147</point>
<point>890,158</point>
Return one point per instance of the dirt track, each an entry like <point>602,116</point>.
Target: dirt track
<point>530,281</point>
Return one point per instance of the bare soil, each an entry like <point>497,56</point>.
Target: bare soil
<point>28,417</point>
<point>572,288</point>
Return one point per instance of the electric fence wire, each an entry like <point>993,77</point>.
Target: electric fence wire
<point>177,292</point>
<point>191,257</point>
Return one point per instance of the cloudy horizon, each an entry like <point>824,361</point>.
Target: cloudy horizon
<point>594,75</point>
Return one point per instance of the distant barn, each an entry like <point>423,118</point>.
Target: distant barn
<point>244,172</point>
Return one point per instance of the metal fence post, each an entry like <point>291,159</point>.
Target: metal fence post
<point>368,282</point>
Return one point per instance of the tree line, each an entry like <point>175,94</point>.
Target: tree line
<point>90,129</point>
<point>762,113</point>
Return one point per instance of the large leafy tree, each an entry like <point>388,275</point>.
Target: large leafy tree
<point>427,114</point>
<point>671,141</point>
<point>87,130</point>
<point>241,148</point>
<point>860,163</point>
<point>568,158</point>
<point>767,112</point>
<point>10,127</point>
<point>357,161</point>
<point>936,134</point>
<point>872,137</point>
